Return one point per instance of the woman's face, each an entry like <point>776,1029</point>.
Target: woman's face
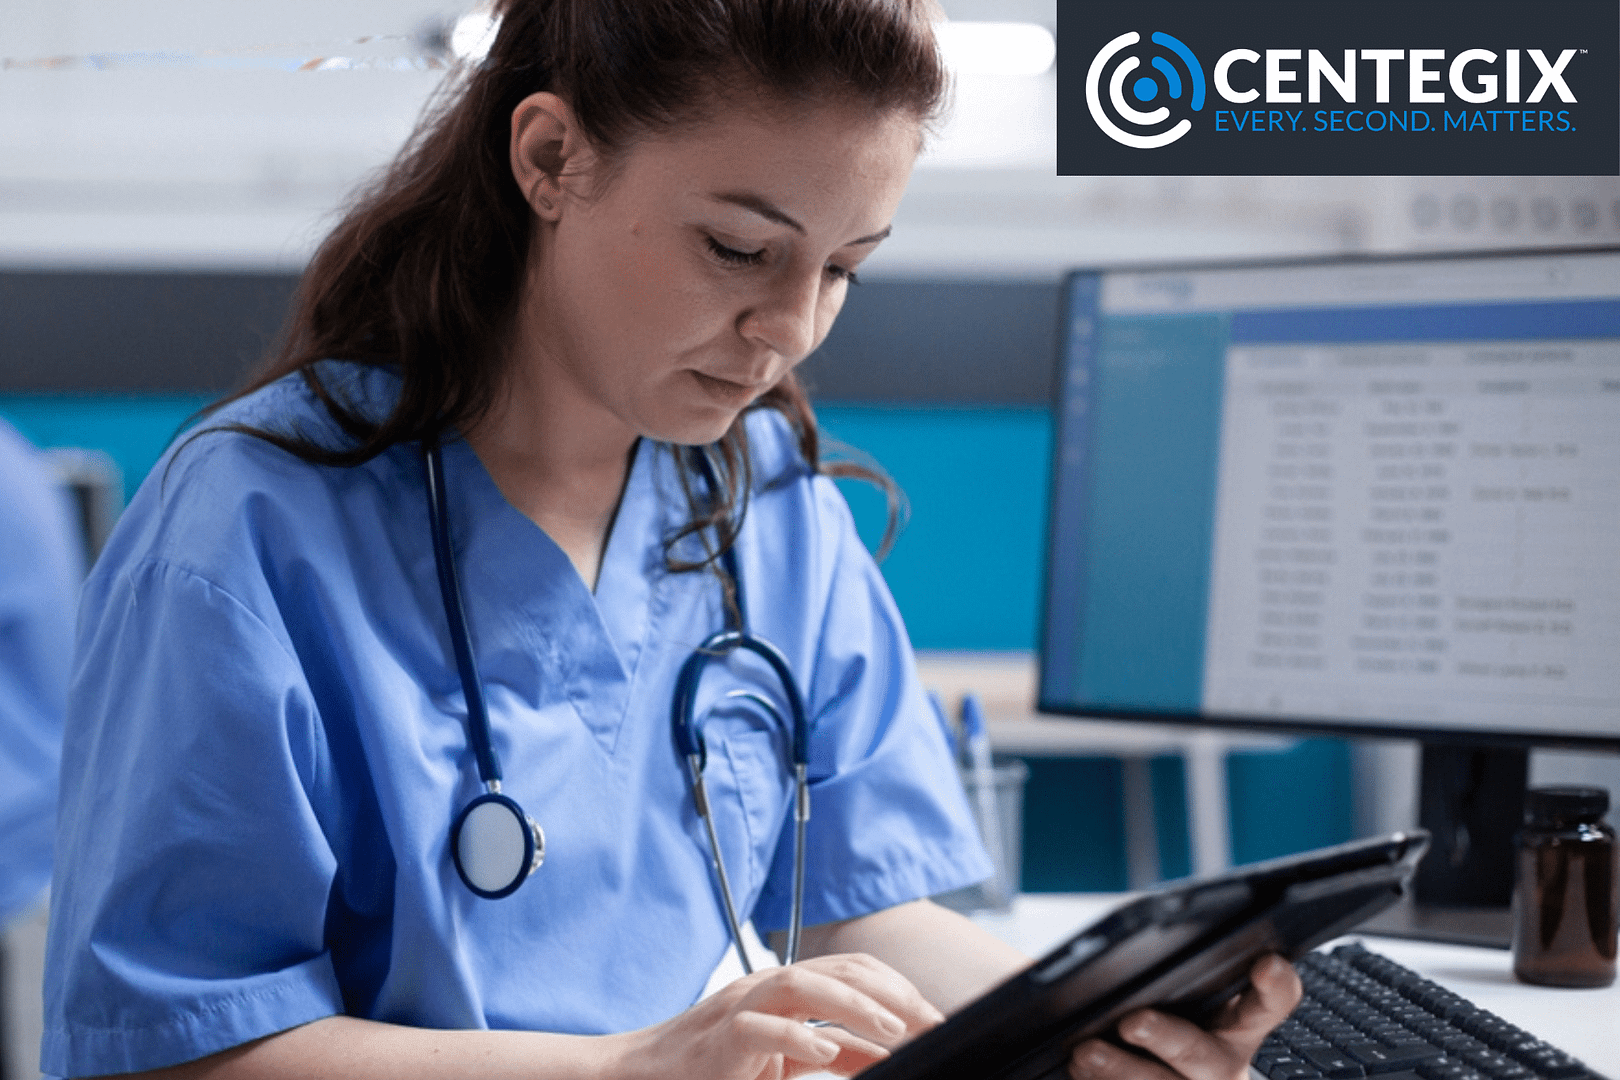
<point>713,260</point>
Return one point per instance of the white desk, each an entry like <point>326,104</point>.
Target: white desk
<point>1585,1023</point>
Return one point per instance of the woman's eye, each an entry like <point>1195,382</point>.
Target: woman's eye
<point>847,275</point>
<point>733,256</point>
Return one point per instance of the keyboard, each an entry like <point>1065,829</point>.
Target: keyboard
<point>1364,1015</point>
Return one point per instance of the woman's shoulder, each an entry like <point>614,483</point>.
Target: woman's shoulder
<point>775,456</point>
<point>296,404</point>
<point>223,489</point>
<point>797,505</point>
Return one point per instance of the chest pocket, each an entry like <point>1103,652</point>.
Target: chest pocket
<point>749,794</point>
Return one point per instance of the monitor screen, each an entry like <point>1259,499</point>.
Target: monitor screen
<point>1376,496</point>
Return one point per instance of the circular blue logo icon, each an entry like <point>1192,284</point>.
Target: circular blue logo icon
<point>1175,70</point>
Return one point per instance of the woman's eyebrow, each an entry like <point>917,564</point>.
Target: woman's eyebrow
<point>765,209</point>
<point>875,237</point>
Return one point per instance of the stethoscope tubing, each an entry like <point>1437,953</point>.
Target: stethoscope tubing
<point>686,729</point>
<point>455,613</point>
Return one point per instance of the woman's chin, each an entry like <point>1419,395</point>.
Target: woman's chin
<point>697,428</point>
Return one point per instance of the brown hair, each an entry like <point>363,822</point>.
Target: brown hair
<point>425,270</point>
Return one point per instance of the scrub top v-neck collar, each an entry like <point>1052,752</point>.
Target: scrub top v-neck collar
<point>518,582</point>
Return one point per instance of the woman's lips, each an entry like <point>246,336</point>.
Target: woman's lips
<point>731,394</point>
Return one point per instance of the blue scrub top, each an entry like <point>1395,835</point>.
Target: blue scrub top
<point>41,562</point>
<point>266,746</point>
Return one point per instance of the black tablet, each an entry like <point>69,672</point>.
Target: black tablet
<point>1185,947</point>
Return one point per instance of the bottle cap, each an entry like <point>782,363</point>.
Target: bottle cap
<point>1566,803</point>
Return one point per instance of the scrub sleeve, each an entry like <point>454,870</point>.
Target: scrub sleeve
<point>888,822</point>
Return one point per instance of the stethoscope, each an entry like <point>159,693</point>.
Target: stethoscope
<point>496,846</point>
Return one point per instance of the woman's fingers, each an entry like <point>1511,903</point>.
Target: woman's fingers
<point>1188,1051</point>
<point>1097,1060</point>
<point>1274,990</point>
<point>885,985</point>
<point>805,1049</point>
<point>1184,1046</point>
<point>854,1054</point>
<point>855,992</point>
<point>754,1029</point>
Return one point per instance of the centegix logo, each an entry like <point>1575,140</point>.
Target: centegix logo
<point>1473,75</point>
<point>1377,87</point>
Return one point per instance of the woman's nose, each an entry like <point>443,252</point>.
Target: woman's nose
<point>785,318</point>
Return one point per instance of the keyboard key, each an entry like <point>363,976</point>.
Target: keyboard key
<point>1445,1069</point>
<point>1294,1070</point>
<point>1376,1058</point>
<point>1335,1064</point>
<point>1487,1061</point>
<point>1402,1037</point>
<point>1554,1063</point>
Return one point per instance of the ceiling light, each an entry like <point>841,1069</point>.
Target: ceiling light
<point>996,48</point>
<point>473,35</point>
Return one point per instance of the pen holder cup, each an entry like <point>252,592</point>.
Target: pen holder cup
<point>1001,826</point>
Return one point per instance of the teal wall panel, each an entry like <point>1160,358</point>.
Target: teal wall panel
<point>1074,826</point>
<point>966,571</point>
<point>1288,801</point>
<point>1169,779</point>
<point>133,428</point>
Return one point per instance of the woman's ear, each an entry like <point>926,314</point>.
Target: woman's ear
<point>546,143</point>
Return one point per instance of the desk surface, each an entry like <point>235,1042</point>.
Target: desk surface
<point>1005,686</point>
<point>1585,1023</point>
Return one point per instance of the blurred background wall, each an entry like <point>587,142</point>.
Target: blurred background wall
<point>166,167</point>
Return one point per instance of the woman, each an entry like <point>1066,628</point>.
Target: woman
<point>577,300</point>
<point>41,564</point>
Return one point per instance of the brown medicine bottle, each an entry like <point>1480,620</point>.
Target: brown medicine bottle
<point>1568,891</point>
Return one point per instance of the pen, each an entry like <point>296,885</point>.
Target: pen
<point>944,723</point>
<point>977,737</point>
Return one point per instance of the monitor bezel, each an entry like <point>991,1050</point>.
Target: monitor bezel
<point>1270,724</point>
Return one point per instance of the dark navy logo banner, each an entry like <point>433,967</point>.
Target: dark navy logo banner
<point>1326,87</point>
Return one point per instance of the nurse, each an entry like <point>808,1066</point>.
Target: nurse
<point>40,568</point>
<point>576,300</point>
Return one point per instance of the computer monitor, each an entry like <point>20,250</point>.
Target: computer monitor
<point>1368,496</point>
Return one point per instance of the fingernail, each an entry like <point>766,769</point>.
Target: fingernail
<point>891,1025</point>
<point>1090,1059</point>
<point>1140,1026</point>
<point>826,1049</point>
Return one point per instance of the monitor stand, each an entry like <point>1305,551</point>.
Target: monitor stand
<point>1472,802</point>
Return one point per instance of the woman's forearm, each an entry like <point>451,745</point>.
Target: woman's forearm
<point>348,1048</point>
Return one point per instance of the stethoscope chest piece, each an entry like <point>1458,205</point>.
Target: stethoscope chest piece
<point>496,846</point>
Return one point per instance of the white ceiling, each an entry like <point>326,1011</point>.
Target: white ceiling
<point>201,148</point>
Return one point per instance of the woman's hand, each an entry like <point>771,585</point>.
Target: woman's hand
<point>1188,1052</point>
<point>754,1029</point>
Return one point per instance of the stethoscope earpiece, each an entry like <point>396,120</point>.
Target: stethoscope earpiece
<point>496,846</point>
